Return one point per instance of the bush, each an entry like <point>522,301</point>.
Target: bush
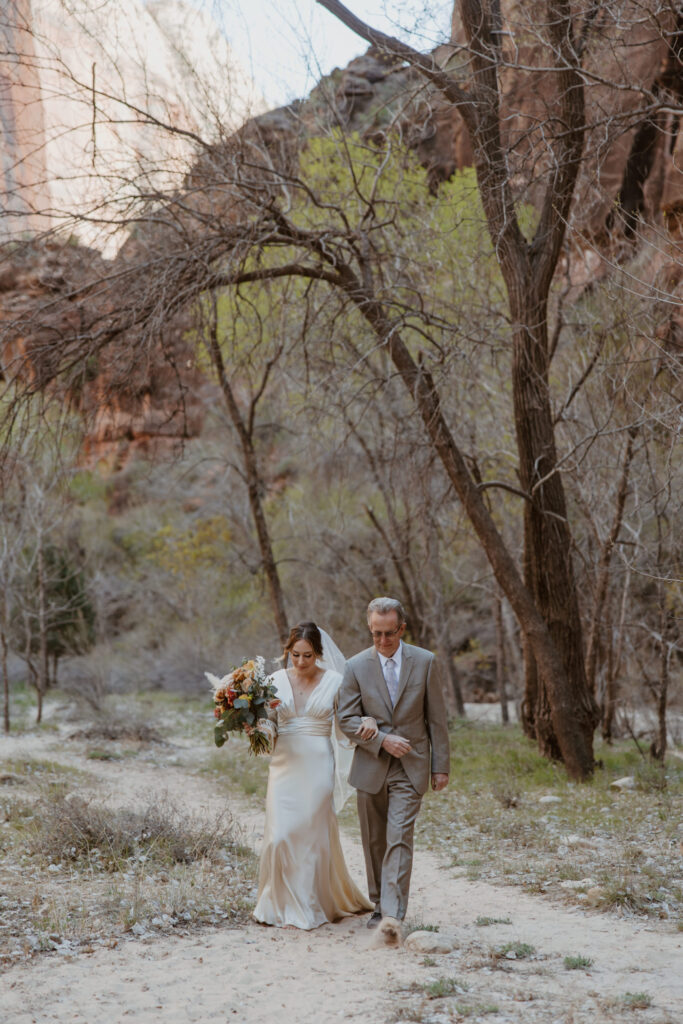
<point>75,830</point>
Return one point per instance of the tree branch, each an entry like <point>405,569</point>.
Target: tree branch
<point>389,44</point>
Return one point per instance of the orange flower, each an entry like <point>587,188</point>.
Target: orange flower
<point>275,703</point>
<point>217,712</point>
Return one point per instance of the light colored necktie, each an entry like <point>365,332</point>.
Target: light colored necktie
<point>391,679</point>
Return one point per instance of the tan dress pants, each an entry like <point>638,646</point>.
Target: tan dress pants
<point>387,821</point>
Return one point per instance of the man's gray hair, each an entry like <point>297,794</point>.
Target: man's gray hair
<point>383,605</point>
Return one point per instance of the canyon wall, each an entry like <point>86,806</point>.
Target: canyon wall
<point>100,103</point>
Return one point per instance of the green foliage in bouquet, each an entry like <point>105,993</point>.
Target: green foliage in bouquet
<point>243,699</point>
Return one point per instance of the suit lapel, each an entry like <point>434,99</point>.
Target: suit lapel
<point>379,681</point>
<point>406,669</point>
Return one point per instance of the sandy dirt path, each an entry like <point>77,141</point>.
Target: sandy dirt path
<point>255,973</point>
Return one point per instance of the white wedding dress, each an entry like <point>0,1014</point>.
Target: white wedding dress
<point>304,880</point>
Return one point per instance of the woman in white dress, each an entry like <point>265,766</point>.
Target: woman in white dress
<point>304,881</point>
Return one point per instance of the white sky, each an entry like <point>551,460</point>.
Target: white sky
<point>286,45</point>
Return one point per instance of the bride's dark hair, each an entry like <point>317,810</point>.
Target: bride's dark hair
<point>303,631</point>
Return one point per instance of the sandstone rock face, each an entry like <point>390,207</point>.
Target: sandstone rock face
<point>134,399</point>
<point>632,55</point>
<point>102,100</point>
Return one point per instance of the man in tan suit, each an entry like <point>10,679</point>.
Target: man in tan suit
<point>399,686</point>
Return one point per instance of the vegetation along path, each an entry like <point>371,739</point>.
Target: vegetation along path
<point>512,955</point>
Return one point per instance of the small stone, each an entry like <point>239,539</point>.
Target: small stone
<point>628,782</point>
<point>54,867</point>
<point>138,929</point>
<point>595,895</point>
<point>549,800</point>
<point>583,883</point>
<point>430,942</point>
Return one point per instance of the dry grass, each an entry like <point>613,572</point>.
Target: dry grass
<point>75,873</point>
<point>72,830</point>
<point>117,730</point>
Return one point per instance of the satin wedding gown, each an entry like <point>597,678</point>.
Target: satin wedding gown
<point>303,879</point>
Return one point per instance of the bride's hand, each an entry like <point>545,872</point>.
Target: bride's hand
<point>367,730</point>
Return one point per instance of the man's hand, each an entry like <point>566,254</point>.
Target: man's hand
<point>395,745</point>
<point>367,730</point>
<point>439,781</point>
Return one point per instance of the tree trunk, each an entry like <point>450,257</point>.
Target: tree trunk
<point>604,564</point>
<point>453,677</point>
<point>43,662</point>
<point>658,748</point>
<point>530,698</point>
<point>253,479</point>
<point>500,658</point>
<point>614,668</point>
<point>548,614</point>
<point>565,707</point>
<point>3,665</point>
<point>551,573</point>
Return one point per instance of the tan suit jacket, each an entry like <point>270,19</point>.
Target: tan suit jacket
<point>419,715</point>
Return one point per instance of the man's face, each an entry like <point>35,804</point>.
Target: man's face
<point>386,632</point>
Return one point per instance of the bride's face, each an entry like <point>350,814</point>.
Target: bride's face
<point>303,658</point>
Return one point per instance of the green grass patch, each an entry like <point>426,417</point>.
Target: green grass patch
<point>30,767</point>
<point>417,925</point>
<point>577,963</point>
<point>476,1009</point>
<point>514,950</point>
<point>443,987</point>
<point>484,922</point>
<point>636,1000</point>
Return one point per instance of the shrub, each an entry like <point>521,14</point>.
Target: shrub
<point>75,830</point>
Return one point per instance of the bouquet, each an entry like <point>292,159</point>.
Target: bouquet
<point>242,700</point>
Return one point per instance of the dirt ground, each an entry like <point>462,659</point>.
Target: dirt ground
<point>255,973</point>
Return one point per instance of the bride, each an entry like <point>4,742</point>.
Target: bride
<point>304,881</point>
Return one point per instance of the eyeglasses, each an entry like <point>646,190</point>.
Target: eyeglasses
<point>377,634</point>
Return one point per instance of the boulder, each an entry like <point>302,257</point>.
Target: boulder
<point>430,942</point>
